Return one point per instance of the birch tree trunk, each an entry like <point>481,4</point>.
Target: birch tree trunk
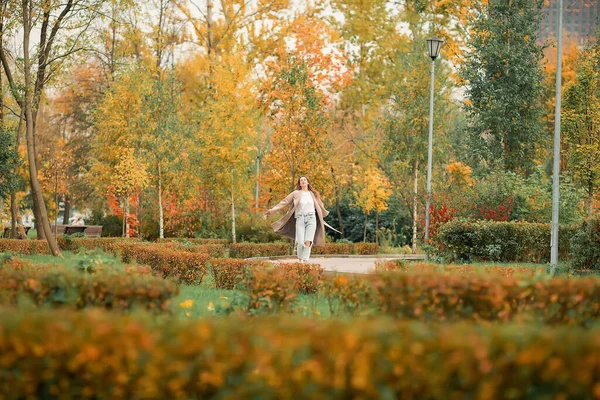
<point>126,216</point>
<point>415,198</point>
<point>232,218</point>
<point>161,218</point>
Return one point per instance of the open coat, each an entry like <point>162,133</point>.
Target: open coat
<point>286,226</point>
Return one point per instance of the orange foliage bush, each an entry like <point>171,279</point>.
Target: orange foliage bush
<point>227,272</point>
<point>399,265</point>
<point>103,355</point>
<point>26,247</point>
<point>62,286</point>
<point>184,266</point>
<point>269,289</point>
<point>307,277</point>
<point>213,250</point>
<point>247,250</point>
<point>194,241</point>
<point>334,248</point>
<point>366,248</point>
<point>430,296</point>
<point>348,294</point>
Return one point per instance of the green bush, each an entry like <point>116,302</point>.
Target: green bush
<point>467,240</point>
<point>585,246</point>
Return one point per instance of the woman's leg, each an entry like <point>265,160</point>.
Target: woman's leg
<point>300,229</point>
<point>309,234</point>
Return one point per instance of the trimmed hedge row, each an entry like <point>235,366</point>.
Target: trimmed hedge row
<point>347,248</point>
<point>96,354</point>
<point>184,266</point>
<point>233,273</point>
<point>430,296</point>
<point>27,247</point>
<point>60,286</point>
<point>462,239</point>
<point>213,250</point>
<point>108,245</point>
<point>248,250</point>
<point>194,241</point>
<point>418,267</point>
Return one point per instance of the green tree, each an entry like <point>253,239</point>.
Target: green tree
<point>504,79</point>
<point>581,122</point>
<point>405,123</point>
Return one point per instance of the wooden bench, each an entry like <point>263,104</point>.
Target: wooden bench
<point>71,229</point>
<point>88,230</point>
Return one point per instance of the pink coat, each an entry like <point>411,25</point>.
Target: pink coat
<point>286,226</point>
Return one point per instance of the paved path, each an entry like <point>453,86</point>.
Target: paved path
<point>357,265</point>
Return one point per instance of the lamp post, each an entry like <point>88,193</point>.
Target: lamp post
<point>434,44</point>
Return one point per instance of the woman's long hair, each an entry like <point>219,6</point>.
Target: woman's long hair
<point>312,189</point>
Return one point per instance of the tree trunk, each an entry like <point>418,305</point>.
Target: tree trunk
<point>415,215</point>
<point>232,218</point>
<point>126,212</point>
<point>365,230</point>
<point>339,215</point>
<point>124,218</point>
<point>161,219</point>
<point>376,226</point>
<point>590,202</point>
<point>29,127</point>
<point>18,232</point>
<point>67,213</point>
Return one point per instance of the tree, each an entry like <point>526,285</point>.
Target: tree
<point>581,116</point>
<point>61,28</point>
<point>373,191</point>
<point>406,121</point>
<point>504,79</point>
<point>129,177</point>
<point>301,84</point>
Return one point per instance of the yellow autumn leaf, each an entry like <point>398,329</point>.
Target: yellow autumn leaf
<point>189,303</point>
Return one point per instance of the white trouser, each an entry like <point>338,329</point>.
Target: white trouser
<point>306,226</point>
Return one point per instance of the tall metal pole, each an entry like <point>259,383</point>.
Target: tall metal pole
<point>429,153</point>
<point>556,167</point>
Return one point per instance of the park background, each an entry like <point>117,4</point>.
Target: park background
<point>185,119</point>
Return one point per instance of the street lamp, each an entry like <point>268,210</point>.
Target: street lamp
<point>434,44</point>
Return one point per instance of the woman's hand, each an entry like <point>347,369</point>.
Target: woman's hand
<point>267,213</point>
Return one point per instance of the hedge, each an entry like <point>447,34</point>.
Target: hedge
<point>194,241</point>
<point>228,273</point>
<point>248,250</point>
<point>96,354</point>
<point>401,266</point>
<point>366,248</point>
<point>60,286</point>
<point>184,266</point>
<point>462,239</point>
<point>334,248</point>
<point>26,247</point>
<point>452,297</point>
<point>213,250</point>
<point>108,245</point>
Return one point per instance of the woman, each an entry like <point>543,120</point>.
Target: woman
<point>304,221</point>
